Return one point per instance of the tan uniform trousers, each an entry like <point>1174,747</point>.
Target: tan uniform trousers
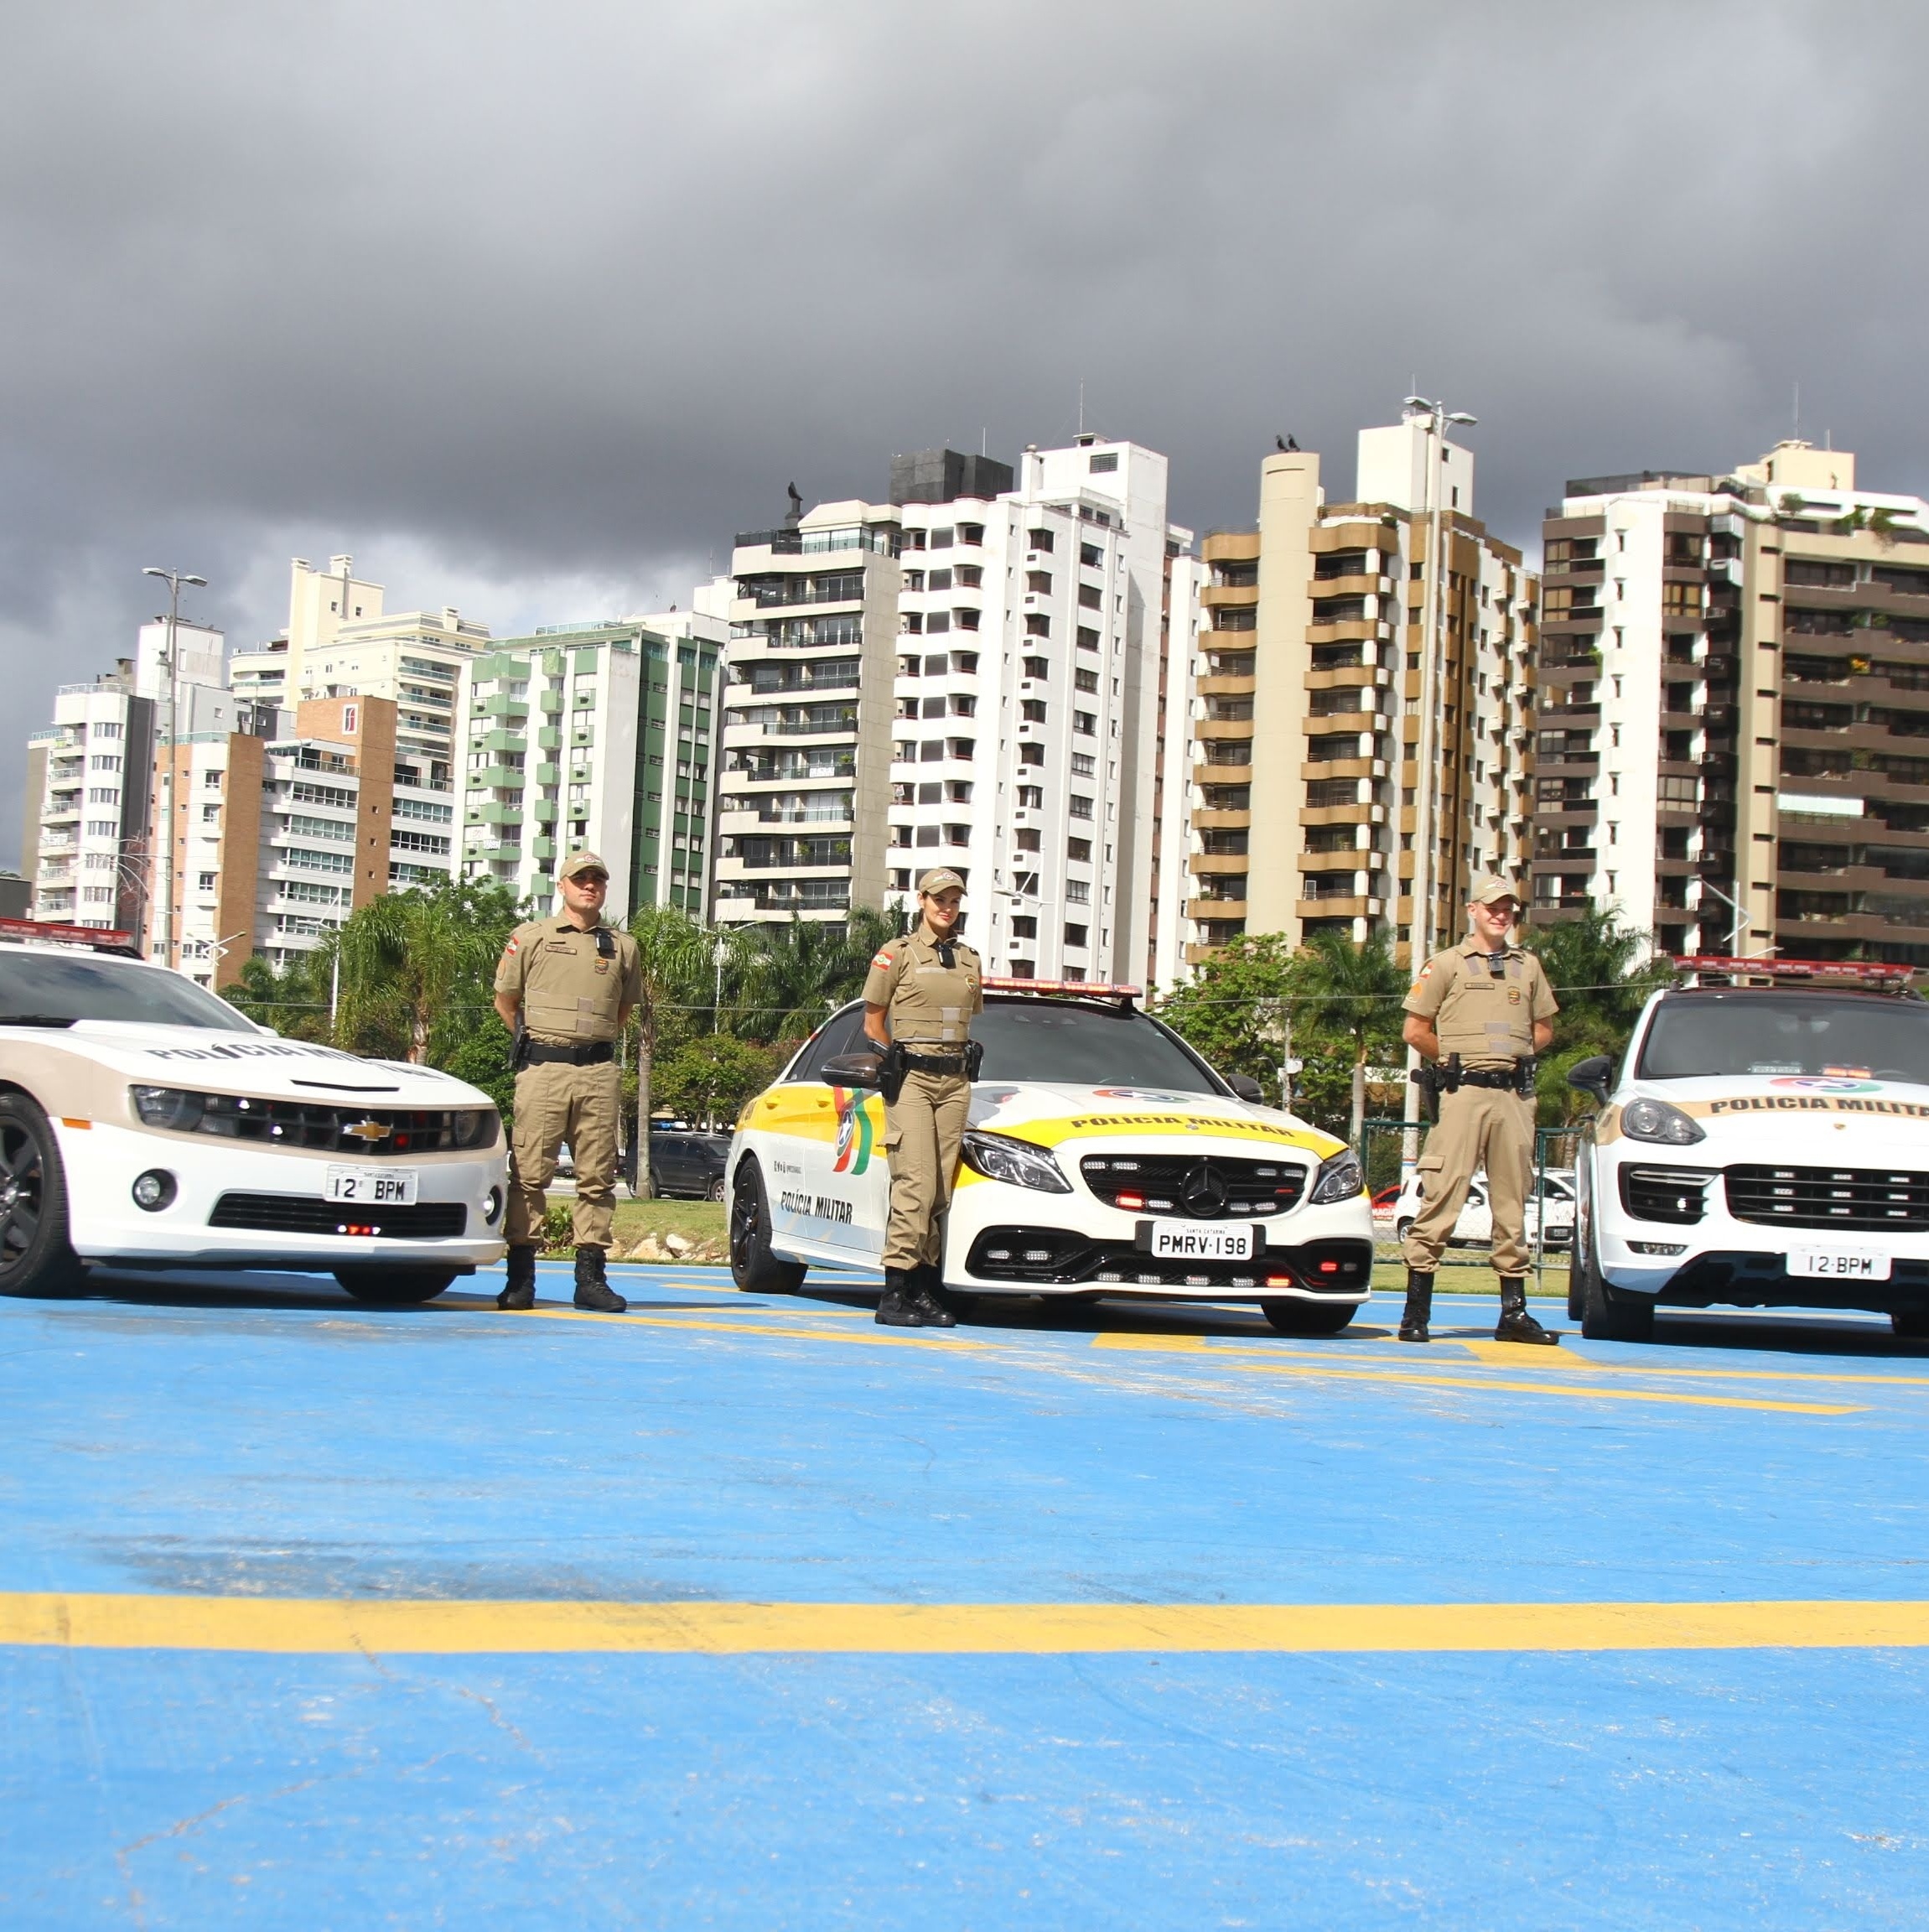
<point>922,1133</point>
<point>1478,1127</point>
<point>556,1101</point>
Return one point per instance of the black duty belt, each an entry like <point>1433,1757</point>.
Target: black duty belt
<point>927,1063</point>
<point>583,1053</point>
<point>1489,1076</point>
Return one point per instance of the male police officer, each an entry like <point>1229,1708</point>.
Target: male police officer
<point>1485,1009</point>
<point>920,998</point>
<point>565,987</point>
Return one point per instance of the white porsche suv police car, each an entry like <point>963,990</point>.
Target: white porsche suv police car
<point>1765,1142</point>
<point>1102,1157</point>
<point>144,1123</point>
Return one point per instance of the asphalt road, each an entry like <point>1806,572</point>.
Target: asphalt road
<point>745,1613</point>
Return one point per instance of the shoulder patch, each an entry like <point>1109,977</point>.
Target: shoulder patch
<point>515,945</point>
<point>1424,971</point>
<point>883,959</point>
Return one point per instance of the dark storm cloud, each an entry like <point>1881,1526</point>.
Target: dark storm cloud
<point>544,303</point>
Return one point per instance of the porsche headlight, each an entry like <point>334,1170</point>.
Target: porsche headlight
<point>1340,1178</point>
<point>999,1157</point>
<point>1646,1119</point>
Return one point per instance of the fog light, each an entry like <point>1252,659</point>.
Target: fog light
<point>154,1189</point>
<point>1659,1247</point>
<point>492,1206</point>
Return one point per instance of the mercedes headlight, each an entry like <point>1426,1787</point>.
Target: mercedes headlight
<point>1340,1178</point>
<point>999,1157</point>
<point>1646,1119</point>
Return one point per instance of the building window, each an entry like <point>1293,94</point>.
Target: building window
<point>1101,463</point>
<point>1077,806</point>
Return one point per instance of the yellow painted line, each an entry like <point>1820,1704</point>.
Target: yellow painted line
<point>885,1337</point>
<point>327,1626</point>
<point>1574,1391</point>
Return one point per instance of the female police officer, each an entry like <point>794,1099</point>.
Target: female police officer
<point>920,996</point>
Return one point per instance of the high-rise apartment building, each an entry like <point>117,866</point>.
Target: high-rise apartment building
<point>601,736</point>
<point>808,717</point>
<point>1362,722</point>
<point>1737,677</point>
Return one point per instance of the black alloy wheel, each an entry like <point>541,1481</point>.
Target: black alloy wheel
<point>394,1287</point>
<point>753,1267</point>
<point>35,1255</point>
<point>1291,1317</point>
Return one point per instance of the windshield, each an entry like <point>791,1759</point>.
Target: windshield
<point>1696,1036</point>
<point>83,986</point>
<point>1084,1046</point>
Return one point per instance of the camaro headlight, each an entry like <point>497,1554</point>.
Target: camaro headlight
<point>170,1107</point>
<point>1646,1119</point>
<point>1340,1178</point>
<point>999,1157</point>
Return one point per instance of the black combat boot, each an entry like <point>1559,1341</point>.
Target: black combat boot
<point>521,1292</point>
<point>927,1296</point>
<point>1516,1324</point>
<point>897,1307</point>
<point>1419,1306</point>
<point>593,1289</point>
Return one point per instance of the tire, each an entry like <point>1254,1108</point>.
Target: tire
<point>714,1192</point>
<point>753,1267</point>
<point>1292,1317</point>
<point>1603,1318</point>
<point>36,1257</point>
<point>1402,1229</point>
<point>1909,1324</point>
<point>394,1287</point>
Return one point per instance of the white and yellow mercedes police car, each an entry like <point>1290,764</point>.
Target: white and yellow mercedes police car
<point>144,1123</point>
<point>1102,1157</point>
<point>1764,1142</point>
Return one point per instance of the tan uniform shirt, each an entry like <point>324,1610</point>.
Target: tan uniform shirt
<point>927,1003</point>
<point>571,990</point>
<point>1489,1022</point>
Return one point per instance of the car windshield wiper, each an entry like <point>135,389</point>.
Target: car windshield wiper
<point>38,1019</point>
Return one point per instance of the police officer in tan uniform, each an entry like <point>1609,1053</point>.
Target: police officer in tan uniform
<point>920,996</point>
<point>565,987</point>
<point>1484,1009</point>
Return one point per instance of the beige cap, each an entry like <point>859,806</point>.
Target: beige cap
<point>581,862</point>
<point>940,879</point>
<point>1492,887</point>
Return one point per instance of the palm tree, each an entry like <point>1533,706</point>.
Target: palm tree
<point>405,958</point>
<point>792,976</point>
<point>678,959</point>
<point>1600,974</point>
<point>1354,990</point>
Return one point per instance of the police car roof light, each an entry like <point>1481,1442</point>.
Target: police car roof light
<point>52,932</point>
<point>1720,969</point>
<point>1084,988</point>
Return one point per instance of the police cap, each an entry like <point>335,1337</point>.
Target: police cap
<point>578,863</point>
<point>939,879</point>
<point>1486,890</point>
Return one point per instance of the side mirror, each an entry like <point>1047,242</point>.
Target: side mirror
<point>1245,1087</point>
<point>852,1069</point>
<point>1594,1076</point>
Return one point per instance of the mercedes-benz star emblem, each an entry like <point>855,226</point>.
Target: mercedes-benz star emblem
<point>1204,1193</point>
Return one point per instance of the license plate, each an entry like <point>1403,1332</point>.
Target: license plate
<point>1838,1264</point>
<point>1202,1241</point>
<point>373,1186</point>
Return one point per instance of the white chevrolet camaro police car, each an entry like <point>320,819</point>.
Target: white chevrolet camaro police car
<point>144,1123</point>
<point>1764,1142</point>
<point>1102,1157</point>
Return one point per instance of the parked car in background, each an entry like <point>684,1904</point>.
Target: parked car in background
<point>1550,1219</point>
<point>691,1165</point>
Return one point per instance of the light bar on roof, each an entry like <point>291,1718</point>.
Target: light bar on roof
<point>50,932</point>
<point>1825,972</point>
<point>1086,988</point>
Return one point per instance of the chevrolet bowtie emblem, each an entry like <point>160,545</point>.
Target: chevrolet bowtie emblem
<point>370,1131</point>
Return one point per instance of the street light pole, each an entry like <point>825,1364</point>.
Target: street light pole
<point>173,579</point>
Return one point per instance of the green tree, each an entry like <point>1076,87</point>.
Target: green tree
<point>417,967</point>
<point>293,999</point>
<point>790,977</point>
<point>1353,991</point>
<point>710,1079</point>
<point>677,959</point>
<point>1602,975</point>
<point>1232,1010</point>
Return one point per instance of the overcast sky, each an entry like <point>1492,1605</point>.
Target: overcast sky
<point>532,307</point>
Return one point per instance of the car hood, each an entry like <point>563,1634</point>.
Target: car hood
<point>1047,1113</point>
<point>1775,1110</point>
<point>252,1064</point>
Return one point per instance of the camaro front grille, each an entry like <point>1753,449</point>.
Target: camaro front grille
<point>304,1214</point>
<point>366,1133</point>
<point>1866,1197</point>
<point>1209,1187</point>
<point>1059,1257</point>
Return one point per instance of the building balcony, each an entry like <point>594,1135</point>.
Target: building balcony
<point>1320,723</point>
<point>1222,821</point>
<point>1223,596</point>
<point>1326,768</point>
<point>1335,906</point>
<point>1212,774</point>
<point>544,811</point>
<point>1359,812</point>
<point>1203,911</point>
<point>1233,864</point>
<point>1568,859</point>
<point>500,705</point>
<point>1342,628</point>
<point>1240,687</point>
<point>495,811</point>
<point>494,855</point>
